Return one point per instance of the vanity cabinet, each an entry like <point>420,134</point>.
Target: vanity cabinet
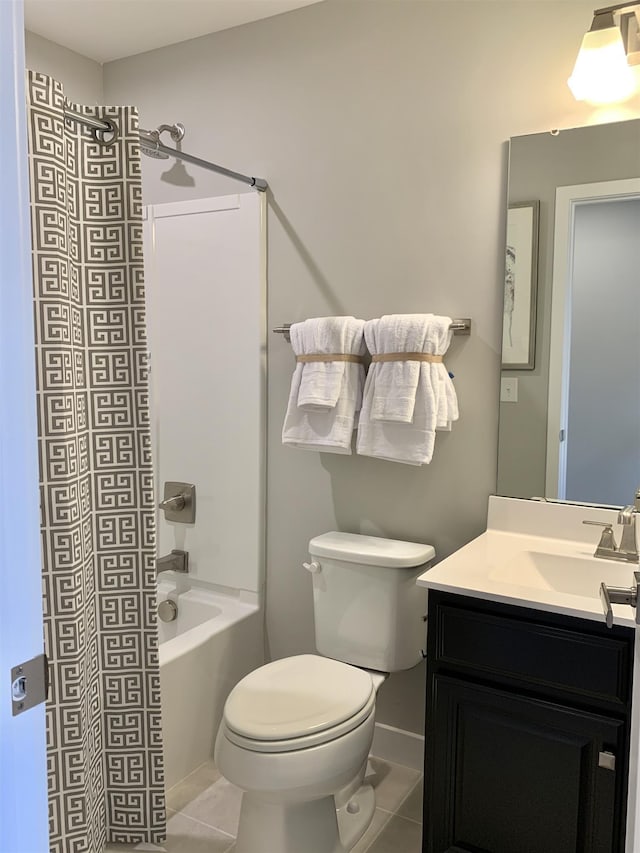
<point>527,740</point>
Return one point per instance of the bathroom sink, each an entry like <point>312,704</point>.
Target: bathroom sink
<point>563,574</point>
<point>538,555</point>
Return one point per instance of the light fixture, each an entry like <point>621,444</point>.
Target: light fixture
<point>603,73</point>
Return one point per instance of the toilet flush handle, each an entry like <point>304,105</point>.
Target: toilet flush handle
<point>312,567</point>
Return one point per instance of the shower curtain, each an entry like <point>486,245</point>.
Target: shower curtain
<point>104,745</point>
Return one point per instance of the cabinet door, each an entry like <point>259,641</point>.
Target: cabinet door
<point>511,774</point>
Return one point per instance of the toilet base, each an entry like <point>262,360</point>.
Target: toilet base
<point>312,827</point>
<point>355,816</point>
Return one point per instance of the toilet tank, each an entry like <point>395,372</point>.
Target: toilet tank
<point>368,610</point>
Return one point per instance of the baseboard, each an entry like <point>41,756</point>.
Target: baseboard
<point>399,746</point>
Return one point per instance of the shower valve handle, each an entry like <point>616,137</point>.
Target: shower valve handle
<point>176,503</point>
<point>179,503</point>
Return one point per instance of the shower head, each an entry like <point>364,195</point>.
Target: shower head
<point>149,144</point>
<point>150,139</point>
<point>153,152</point>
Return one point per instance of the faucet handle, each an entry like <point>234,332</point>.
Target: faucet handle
<point>607,544</point>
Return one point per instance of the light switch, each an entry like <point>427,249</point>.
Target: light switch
<point>508,390</point>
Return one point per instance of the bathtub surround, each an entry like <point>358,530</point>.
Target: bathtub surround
<point>205,276</point>
<point>103,714</point>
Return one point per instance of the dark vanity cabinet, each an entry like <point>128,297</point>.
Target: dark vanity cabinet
<point>527,741</point>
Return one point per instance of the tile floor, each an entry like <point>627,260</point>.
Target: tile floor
<point>203,809</point>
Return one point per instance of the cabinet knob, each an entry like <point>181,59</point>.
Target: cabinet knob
<point>607,760</point>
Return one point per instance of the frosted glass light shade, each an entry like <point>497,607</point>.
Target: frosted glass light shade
<point>601,74</point>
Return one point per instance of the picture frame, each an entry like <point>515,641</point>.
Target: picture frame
<point>520,286</point>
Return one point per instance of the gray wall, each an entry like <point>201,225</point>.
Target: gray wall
<point>82,78</point>
<point>381,127</point>
<point>539,163</point>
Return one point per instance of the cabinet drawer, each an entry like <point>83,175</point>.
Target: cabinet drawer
<point>538,653</point>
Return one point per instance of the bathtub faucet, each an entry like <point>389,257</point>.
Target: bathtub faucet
<point>176,561</point>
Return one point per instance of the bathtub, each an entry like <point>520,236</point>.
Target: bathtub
<point>216,639</point>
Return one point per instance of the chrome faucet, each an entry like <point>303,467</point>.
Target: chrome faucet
<point>628,550</point>
<point>176,561</point>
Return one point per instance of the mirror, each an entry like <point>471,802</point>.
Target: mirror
<point>570,383</point>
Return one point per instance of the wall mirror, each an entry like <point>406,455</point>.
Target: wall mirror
<point>570,382</point>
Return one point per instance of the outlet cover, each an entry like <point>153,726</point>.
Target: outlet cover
<point>508,389</point>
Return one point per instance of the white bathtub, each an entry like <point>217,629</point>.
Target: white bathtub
<point>215,641</point>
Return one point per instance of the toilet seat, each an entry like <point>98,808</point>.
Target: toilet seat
<point>296,703</point>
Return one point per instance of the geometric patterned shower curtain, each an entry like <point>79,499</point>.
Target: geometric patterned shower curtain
<point>103,715</point>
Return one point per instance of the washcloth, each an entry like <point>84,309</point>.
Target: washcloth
<point>406,401</point>
<point>325,396</point>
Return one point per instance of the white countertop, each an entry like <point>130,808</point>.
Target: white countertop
<point>552,572</point>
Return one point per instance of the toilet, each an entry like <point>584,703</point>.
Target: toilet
<point>296,733</point>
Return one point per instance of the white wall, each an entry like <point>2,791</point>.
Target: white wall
<point>381,128</point>
<point>81,77</point>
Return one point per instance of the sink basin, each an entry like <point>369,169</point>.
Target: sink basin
<point>564,574</point>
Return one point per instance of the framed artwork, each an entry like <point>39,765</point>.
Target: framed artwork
<point>520,287</point>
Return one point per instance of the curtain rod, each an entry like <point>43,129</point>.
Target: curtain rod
<point>107,126</point>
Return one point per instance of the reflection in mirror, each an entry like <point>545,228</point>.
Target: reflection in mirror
<point>570,414</point>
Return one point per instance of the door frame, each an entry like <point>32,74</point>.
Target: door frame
<point>567,199</point>
<point>23,770</point>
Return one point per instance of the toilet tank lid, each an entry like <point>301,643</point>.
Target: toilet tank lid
<point>371,550</point>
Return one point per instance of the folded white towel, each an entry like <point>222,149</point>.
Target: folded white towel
<point>321,381</point>
<point>406,401</point>
<point>395,384</point>
<point>325,396</point>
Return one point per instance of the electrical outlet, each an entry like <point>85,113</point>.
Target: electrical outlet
<point>509,390</point>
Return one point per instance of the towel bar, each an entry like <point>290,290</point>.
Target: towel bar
<point>459,326</point>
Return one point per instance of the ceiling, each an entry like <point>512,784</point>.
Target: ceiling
<point>105,30</point>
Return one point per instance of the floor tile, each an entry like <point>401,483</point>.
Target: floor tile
<point>189,788</point>
<point>209,807</point>
<point>380,818</point>
<point>398,834</point>
<point>392,783</point>
<point>185,835</point>
<point>411,806</point>
<point>217,806</point>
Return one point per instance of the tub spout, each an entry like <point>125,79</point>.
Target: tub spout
<point>176,561</point>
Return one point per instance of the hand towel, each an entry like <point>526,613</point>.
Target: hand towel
<point>321,381</point>
<point>323,405</point>
<point>402,408</point>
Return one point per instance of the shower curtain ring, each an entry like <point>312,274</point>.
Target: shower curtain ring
<point>100,135</point>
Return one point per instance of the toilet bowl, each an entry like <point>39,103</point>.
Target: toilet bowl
<point>295,736</point>
<point>296,733</point>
